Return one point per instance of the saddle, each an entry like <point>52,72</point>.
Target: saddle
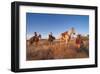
<point>51,38</point>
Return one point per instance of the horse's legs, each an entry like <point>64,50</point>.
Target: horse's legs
<point>67,43</point>
<point>50,43</point>
<point>36,43</point>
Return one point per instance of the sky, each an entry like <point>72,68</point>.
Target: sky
<point>56,23</point>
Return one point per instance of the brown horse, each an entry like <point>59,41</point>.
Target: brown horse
<point>65,37</point>
<point>35,39</point>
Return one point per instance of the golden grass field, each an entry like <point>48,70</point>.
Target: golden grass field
<point>58,50</point>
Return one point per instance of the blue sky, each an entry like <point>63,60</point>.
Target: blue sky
<point>56,23</point>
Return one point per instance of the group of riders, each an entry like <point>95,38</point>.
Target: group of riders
<point>35,39</point>
<point>66,37</point>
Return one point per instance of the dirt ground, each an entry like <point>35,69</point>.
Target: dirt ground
<point>57,50</point>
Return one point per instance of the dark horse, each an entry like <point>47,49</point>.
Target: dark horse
<point>51,39</point>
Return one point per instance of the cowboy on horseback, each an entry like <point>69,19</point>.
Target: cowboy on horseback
<point>51,38</point>
<point>35,39</point>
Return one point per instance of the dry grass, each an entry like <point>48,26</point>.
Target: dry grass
<point>58,50</point>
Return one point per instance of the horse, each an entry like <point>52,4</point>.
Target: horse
<point>35,39</point>
<point>51,38</point>
<point>66,36</point>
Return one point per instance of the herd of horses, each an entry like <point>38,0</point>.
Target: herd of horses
<point>65,37</point>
